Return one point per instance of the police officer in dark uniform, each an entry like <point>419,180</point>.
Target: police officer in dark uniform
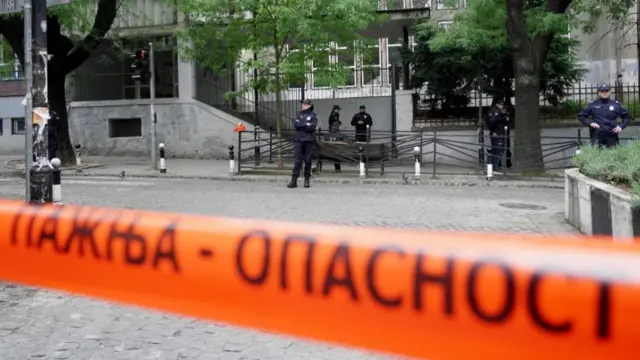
<point>304,143</point>
<point>360,120</point>
<point>602,116</point>
<point>334,119</point>
<point>498,125</point>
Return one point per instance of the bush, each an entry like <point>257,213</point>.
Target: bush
<point>618,166</point>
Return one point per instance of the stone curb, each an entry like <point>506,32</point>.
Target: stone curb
<point>320,180</point>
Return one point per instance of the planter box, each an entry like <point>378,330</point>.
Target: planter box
<point>599,209</point>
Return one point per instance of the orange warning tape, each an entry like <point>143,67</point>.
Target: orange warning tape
<point>419,293</point>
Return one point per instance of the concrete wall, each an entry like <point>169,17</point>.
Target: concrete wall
<point>189,129</point>
<point>599,209</point>
<point>378,107</point>
<point>11,107</point>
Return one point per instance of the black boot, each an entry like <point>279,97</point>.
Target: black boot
<point>306,182</point>
<point>293,183</point>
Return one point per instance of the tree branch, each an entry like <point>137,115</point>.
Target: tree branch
<point>106,14</point>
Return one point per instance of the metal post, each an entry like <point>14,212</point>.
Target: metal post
<point>383,155</point>
<point>239,151</point>
<point>363,172</point>
<point>504,151</point>
<point>163,165</point>
<point>40,103</point>
<point>28,109</point>
<point>154,116</point>
<point>416,156</point>
<point>271,145</point>
<point>56,188</point>
<point>232,161</point>
<point>78,158</point>
<point>435,138</point>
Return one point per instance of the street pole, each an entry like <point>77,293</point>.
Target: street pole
<point>154,116</point>
<point>42,171</point>
<point>28,109</point>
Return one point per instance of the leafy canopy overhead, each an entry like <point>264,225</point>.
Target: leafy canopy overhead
<point>287,36</point>
<point>474,51</point>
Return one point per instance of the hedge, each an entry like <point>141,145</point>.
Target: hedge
<point>618,166</point>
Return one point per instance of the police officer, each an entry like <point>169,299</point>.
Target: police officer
<point>334,119</point>
<point>334,129</point>
<point>602,115</point>
<point>360,120</point>
<point>498,125</point>
<point>304,143</point>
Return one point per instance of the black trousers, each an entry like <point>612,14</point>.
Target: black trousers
<point>498,148</point>
<point>303,151</point>
<point>607,141</point>
<point>361,137</point>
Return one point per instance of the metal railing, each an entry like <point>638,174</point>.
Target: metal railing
<point>461,110</point>
<point>438,153</point>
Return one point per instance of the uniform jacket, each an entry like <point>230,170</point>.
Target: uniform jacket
<point>334,122</point>
<point>605,112</point>
<point>497,121</point>
<point>305,124</point>
<point>360,121</point>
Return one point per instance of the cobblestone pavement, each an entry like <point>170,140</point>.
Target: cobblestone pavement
<point>36,324</point>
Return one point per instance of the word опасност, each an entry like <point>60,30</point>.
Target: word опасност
<point>417,293</point>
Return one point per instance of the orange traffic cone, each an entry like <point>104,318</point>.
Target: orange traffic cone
<point>240,127</point>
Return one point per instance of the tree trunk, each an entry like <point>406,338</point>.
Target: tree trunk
<point>528,147</point>
<point>58,103</point>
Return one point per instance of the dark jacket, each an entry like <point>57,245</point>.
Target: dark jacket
<point>305,124</point>
<point>497,121</point>
<point>360,121</point>
<point>605,112</point>
<point>334,122</point>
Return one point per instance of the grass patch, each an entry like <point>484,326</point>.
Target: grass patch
<point>617,166</point>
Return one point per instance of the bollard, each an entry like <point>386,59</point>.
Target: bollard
<point>56,188</point>
<point>489,171</point>
<point>163,167</point>
<point>363,172</point>
<point>232,161</point>
<point>256,155</point>
<point>271,146</point>
<point>368,133</point>
<point>416,156</point>
<point>78,158</point>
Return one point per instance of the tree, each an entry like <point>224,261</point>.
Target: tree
<point>527,28</point>
<point>452,70</point>
<point>65,56</point>
<point>285,37</point>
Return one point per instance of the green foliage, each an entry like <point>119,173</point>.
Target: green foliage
<point>619,166</point>
<point>474,52</point>
<point>286,36</point>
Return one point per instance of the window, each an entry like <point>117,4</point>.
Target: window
<point>345,57</point>
<point>322,61</point>
<point>17,126</point>
<point>446,4</point>
<point>445,24</point>
<point>125,128</point>
<point>336,55</point>
<point>416,4</point>
<point>371,67</point>
<point>296,81</point>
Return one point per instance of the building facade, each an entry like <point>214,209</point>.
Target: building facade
<point>109,113</point>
